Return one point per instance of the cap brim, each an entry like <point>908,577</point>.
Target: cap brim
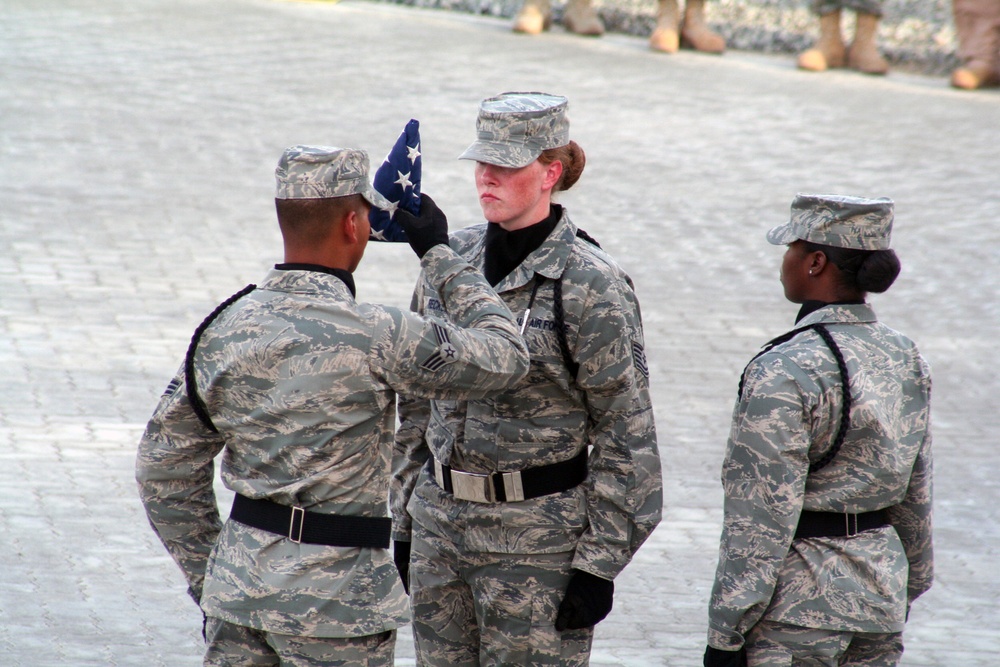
<point>499,154</point>
<point>782,235</point>
<point>375,198</point>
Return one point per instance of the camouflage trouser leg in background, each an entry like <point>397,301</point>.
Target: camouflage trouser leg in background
<point>823,7</point>
<point>474,608</point>
<point>771,644</point>
<point>231,645</point>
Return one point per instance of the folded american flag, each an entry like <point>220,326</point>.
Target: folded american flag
<point>398,180</point>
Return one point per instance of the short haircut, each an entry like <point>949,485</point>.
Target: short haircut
<point>312,220</point>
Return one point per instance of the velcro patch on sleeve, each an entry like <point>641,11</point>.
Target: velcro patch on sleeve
<point>445,353</point>
<point>639,358</point>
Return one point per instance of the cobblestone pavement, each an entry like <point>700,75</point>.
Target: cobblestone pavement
<point>137,145</point>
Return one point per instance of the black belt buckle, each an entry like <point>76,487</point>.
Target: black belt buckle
<point>848,530</point>
<point>301,513</point>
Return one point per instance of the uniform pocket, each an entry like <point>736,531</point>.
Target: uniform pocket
<point>550,524</point>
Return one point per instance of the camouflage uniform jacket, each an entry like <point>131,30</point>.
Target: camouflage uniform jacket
<point>786,419</point>
<point>548,417</point>
<point>301,382</point>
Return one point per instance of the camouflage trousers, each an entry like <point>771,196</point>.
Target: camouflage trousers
<point>474,608</point>
<point>231,645</point>
<point>823,7</point>
<point>771,644</point>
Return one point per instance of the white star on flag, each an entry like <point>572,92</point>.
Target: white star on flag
<point>404,165</point>
<point>403,181</point>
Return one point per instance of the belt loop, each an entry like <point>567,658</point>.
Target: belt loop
<point>512,486</point>
<point>439,474</point>
<point>291,525</point>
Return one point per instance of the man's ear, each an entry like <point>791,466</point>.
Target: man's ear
<point>349,226</point>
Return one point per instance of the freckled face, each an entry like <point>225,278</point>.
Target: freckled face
<point>513,198</point>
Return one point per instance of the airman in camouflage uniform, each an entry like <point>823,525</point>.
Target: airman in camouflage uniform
<point>826,538</point>
<point>496,579</point>
<point>295,383</point>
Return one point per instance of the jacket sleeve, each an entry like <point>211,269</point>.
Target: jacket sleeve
<point>624,481</point>
<point>175,472</point>
<point>912,518</point>
<point>763,477</point>
<point>410,451</point>
<point>476,352</point>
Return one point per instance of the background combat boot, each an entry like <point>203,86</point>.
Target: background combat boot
<point>534,17</point>
<point>975,74</point>
<point>978,25</point>
<point>582,19</point>
<point>695,33</point>
<point>829,50</point>
<point>863,54</point>
<point>665,37</point>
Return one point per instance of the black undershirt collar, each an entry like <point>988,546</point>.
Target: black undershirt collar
<point>506,250</point>
<point>339,273</point>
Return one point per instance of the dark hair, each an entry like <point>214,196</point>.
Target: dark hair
<point>312,219</point>
<point>861,270</point>
<point>573,161</point>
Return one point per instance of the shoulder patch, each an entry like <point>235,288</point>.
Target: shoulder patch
<point>445,353</point>
<point>639,358</point>
<point>172,387</point>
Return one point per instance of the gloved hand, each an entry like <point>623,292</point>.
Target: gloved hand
<point>587,601</point>
<point>715,657</point>
<point>401,555</point>
<point>428,229</point>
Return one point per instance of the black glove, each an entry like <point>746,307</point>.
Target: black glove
<point>401,554</point>
<point>588,600</point>
<point>428,229</point>
<point>715,657</point>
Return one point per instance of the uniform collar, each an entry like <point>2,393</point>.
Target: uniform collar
<point>548,259</point>
<point>345,276</point>
<point>505,250</point>
<point>846,313</point>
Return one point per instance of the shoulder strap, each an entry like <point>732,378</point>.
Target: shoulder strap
<point>190,382</point>
<point>845,413</point>
<point>845,387</point>
<point>586,237</point>
<point>557,308</point>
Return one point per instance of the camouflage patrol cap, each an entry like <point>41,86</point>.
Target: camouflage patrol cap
<point>514,128</point>
<point>839,221</point>
<point>323,172</point>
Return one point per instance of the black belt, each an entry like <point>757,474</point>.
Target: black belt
<point>298,525</point>
<point>501,487</point>
<point>839,524</point>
